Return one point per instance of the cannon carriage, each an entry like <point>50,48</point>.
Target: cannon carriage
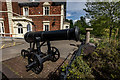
<point>35,56</point>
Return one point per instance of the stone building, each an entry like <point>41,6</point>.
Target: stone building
<point>17,18</point>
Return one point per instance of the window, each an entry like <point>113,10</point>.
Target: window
<point>67,27</point>
<point>53,24</point>
<point>46,27</point>
<point>20,29</point>
<point>25,11</point>
<point>1,27</point>
<point>46,10</point>
<point>28,28</point>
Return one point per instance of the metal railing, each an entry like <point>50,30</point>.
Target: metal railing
<point>63,74</point>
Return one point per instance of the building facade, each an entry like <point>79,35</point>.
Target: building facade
<point>17,18</point>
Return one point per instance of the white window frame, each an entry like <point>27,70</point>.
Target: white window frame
<point>30,29</point>
<point>44,10</point>
<point>20,27</point>
<point>67,27</point>
<point>46,23</point>
<point>2,27</point>
<point>24,14</point>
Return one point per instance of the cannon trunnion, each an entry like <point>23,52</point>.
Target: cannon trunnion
<point>35,57</point>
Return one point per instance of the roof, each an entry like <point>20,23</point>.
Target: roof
<point>31,4</point>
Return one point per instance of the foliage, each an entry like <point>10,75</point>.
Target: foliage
<point>105,60</point>
<point>82,37</point>
<point>103,15</point>
<point>92,40</point>
<point>79,70</point>
<point>71,23</point>
<point>82,25</point>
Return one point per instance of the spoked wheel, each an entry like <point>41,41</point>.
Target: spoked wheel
<point>34,63</point>
<point>55,54</point>
<point>24,53</point>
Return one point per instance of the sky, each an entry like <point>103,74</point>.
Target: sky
<point>75,10</point>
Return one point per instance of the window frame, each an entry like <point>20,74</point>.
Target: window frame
<point>29,29</point>
<point>44,10</point>
<point>24,13</point>
<point>48,24</point>
<point>20,29</point>
<point>2,28</point>
<point>46,27</point>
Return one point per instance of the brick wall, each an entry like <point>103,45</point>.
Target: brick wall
<point>16,8</point>
<point>36,10</point>
<point>54,9</point>
<point>0,9</point>
<point>5,17</point>
<point>38,20</point>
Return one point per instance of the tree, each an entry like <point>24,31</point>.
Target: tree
<point>103,15</point>
<point>71,23</point>
<point>81,24</point>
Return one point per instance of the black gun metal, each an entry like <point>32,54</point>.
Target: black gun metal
<point>67,34</point>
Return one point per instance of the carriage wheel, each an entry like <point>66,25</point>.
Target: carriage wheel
<point>55,54</point>
<point>37,67</point>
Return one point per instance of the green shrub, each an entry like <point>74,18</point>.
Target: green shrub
<point>104,62</point>
<point>106,59</point>
<point>92,40</point>
<point>79,70</point>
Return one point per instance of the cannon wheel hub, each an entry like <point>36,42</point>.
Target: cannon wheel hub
<point>38,66</point>
<point>55,54</point>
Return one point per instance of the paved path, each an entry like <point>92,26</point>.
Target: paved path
<point>15,68</point>
<point>65,47</point>
<point>13,65</point>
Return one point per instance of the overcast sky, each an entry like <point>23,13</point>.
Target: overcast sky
<point>75,10</point>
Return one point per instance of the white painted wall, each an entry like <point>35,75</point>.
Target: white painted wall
<point>64,27</point>
<point>62,16</point>
<point>24,25</point>
<point>10,16</point>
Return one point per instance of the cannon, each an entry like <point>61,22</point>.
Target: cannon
<point>35,56</point>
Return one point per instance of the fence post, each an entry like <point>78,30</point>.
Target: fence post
<point>88,34</point>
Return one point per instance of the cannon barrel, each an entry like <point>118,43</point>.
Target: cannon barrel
<point>67,34</point>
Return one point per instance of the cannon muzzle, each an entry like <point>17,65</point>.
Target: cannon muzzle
<point>67,34</point>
